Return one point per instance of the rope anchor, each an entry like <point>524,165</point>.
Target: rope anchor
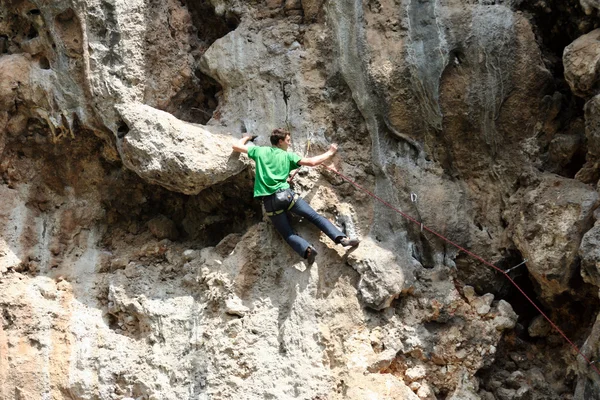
<point>413,198</point>
<point>516,266</point>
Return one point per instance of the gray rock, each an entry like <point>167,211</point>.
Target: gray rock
<point>180,156</point>
<point>506,318</point>
<point>383,360</point>
<point>483,304</point>
<point>588,382</point>
<point>234,306</point>
<point>582,64</point>
<point>524,393</point>
<point>589,5</point>
<point>539,327</point>
<point>190,254</point>
<point>381,279</point>
<point>590,255</point>
<point>486,395</point>
<point>163,228</point>
<point>415,373</point>
<point>466,389</point>
<point>590,172</point>
<point>506,394</point>
<point>547,222</point>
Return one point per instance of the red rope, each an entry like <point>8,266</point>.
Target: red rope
<point>475,256</point>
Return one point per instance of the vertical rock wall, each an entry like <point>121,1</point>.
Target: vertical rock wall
<point>135,264</point>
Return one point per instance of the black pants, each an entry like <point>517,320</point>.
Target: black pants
<point>301,208</point>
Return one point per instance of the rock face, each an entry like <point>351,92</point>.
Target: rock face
<point>590,5</point>
<point>582,64</point>
<point>134,262</point>
<point>551,248</point>
<point>382,278</point>
<point>177,155</point>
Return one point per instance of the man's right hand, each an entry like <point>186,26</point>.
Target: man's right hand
<point>240,145</point>
<point>316,160</point>
<point>249,138</point>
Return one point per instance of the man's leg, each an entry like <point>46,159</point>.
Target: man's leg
<point>282,225</point>
<point>302,209</point>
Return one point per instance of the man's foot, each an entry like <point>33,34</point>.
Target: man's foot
<point>349,242</point>
<point>311,254</point>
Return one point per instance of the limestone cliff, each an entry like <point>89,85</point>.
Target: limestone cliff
<point>134,262</point>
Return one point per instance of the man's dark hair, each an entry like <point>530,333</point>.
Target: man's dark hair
<point>277,135</point>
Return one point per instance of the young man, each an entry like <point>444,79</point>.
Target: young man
<point>273,166</point>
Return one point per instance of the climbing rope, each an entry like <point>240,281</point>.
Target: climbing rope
<point>473,255</point>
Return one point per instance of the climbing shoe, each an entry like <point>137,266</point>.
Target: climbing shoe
<point>311,254</point>
<point>349,242</point>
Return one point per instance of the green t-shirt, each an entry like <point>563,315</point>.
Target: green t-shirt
<point>273,165</point>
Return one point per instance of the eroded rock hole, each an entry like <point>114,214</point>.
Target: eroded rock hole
<point>69,30</point>
<point>32,33</point>
<point>222,209</point>
<point>65,16</point>
<point>198,100</point>
<point>456,57</point>
<point>44,63</point>
<point>208,25</point>
<point>3,44</point>
<point>524,309</point>
<point>575,163</point>
<point>127,324</point>
<point>122,130</point>
<point>8,318</point>
<point>577,309</point>
<point>485,280</point>
<point>547,374</point>
<point>135,208</point>
<point>557,23</point>
<point>112,321</point>
<point>20,30</point>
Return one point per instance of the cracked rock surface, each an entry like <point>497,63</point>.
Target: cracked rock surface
<point>135,264</point>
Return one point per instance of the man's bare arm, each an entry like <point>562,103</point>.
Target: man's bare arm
<point>317,160</point>
<point>240,145</point>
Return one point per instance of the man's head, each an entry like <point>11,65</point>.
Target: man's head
<point>280,138</point>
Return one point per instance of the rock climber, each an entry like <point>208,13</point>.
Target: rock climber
<point>273,166</point>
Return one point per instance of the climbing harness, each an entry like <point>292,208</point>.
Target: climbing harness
<point>473,255</point>
<point>280,202</point>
